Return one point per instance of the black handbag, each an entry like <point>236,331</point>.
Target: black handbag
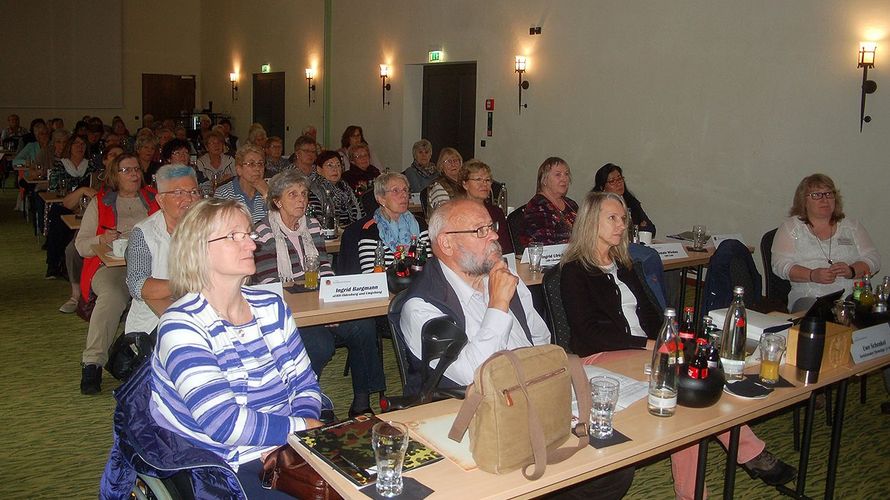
<point>128,352</point>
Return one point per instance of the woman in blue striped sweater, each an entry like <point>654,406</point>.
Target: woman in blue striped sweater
<point>229,373</point>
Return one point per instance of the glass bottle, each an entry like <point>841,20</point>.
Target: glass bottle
<point>419,260</point>
<point>867,297</point>
<point>687,333</point>
<point>501,202</point>
<point>328,218</point>
<point>380,258</point>
<point>732,345</point>
<point>665,373</point>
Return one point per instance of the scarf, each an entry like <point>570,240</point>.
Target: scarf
<point>452,188</point>
<point>398,232</point>
<point>300,238</point>
<point>75,171</point>
<point>428,171</point>
<point>340,194</point>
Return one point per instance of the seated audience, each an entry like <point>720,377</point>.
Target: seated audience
<point>361,173</point>
<point>148,248</point>
<point>326,185</point>
<point>447,185</point>
<point>609,309</point>
<point>230,139</point>
<point>257,136</point>
<point>422,171</point>
<point>146,151</point>
<point>392,224</point>
<point>13,131</point>
<point>110,215</point>
<point>215,165</point>
<point>305,153</point>
<point>275,163</point>
<point>199,136</point>
<point>31,151</point>
<point>286,238</point>
<point>120,129</point>
<point>610,179</point>
<point>175,152</point>
<point>248,186</point>
<point>817,248</point>
<point>475,178</point>
<point>550,214</point>
<point>354,135</point>
<point>238,348</point>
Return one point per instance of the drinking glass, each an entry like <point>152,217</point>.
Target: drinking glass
<point>698,237</point>
<point>604,391</point>
<point>390,441</point>
<point>772,347</point>
<point>311,272</point>
<point>535,252</point>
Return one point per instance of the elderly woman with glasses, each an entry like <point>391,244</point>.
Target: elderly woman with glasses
<point>447,185</point>
<point>361,173</point>
<point>215,164</point>
<point>550,214</point>
<point>390,225</point>
<point>286,239</point>
<point>326,185</point>
<point>248,186</point>
<point>818,248</point>
<point>422,171</point>
<point>610,179</point>
<point>229,373</point>
<point>111,214</point>
<point>475,178</point>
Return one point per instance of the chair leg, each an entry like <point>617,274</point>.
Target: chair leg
<point>828,417</point>
<point>795,424</point>
<point>346,367</point>
<point>862,388</point>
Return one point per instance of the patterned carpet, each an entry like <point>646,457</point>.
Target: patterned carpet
<point>54,442</point>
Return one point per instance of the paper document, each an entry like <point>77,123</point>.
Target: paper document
<point>629,392</point>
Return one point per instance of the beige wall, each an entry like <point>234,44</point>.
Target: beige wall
<point>161,36</point>
<point>242,36</point>
<point>716,109</point>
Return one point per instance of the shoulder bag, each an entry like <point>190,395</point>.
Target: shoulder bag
<point>285,470</point>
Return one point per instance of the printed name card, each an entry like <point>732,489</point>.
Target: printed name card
<point>871,342</point>
<point>717,239</point>
<point>353,287</point>
<point>668,251</point>
<point>510,260</point>
<point>552,255</point>
<point>415,199</point>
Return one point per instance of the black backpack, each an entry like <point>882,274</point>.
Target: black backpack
<point>129,352</point>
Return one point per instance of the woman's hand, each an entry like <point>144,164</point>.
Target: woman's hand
<point>823,275</point>
<point>841,270</point>
<point>312,423</point>
<point>108,236</point>
<point>86,191</point>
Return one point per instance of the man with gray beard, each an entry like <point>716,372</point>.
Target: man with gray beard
<point>468,281</point>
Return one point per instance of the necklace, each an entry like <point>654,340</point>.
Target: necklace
<point>827,256</point>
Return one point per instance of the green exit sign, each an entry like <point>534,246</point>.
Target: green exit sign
<point>265,68</point>
<point>436,56</point>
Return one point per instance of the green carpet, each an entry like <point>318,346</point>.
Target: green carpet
<point>54,442</point>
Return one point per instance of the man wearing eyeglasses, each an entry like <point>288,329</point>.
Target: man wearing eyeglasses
<point>149,246</point>
<point>469,282</point>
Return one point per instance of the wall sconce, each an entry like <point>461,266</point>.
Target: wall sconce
<point>233,77</point>
<point>521,62</point>
<point>384,74</point>
<point>866,60</point>
<point>310,74</point>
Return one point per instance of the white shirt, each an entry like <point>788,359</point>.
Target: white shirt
<point>795,244</point>
<point>628,302</point>
<point>488,330</point>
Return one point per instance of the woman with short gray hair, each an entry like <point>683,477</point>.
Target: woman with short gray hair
<point>422,172</point>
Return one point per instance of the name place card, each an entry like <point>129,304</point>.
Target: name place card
<point>552,255</point>
<point>510,260</point>
<point>353,287</point>
<point>414,199</point>
<point>669,251</point>
<point>871,342</point>
<point>717,239</point>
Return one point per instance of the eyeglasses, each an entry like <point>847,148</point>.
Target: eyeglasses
<point>254,164</point>
<point>398,190</point>
<point>818,195</point>
<point>182,193</point>
<point>451,161</point>
<point>480,232</point>
<point>332,164</point>
<point>308,151</point>
<point>483,180</point>
<point>616,180</point>
<point>360,155</point>
<point>127,170</point>
<point>237,236</point>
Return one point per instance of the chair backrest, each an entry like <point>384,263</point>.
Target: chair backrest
<point>730,266</point>
<point>398,343</point>
<point>556,315</point>
<point>514,223</point>
<point>776,288</point>
<point>369,202</point>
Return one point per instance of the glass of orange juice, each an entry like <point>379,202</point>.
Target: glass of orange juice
<point>311,272</point>
<point>772,347</point>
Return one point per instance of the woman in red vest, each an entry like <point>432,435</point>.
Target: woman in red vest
<point>109,216</point>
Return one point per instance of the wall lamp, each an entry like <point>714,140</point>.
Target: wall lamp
<point>310,74</point>
<point>520,66</point>
<point>384,74</point>
<point>866,61</point>
<point>233,78</point>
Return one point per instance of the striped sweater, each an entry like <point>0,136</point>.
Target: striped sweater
<point>236,391</point>
<point>359,243</point>
<point>266,258</point>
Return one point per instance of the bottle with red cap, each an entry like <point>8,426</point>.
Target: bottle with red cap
<point>735,330</point>
<point>687,332</point>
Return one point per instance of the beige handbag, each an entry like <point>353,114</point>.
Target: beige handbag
<point>519,410</point>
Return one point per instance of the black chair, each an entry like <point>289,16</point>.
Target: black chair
<point>556,315</point>
<point>730,266</point>
<point>776,288</point>
<point>514,224</point>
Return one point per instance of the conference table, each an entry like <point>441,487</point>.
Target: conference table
<point>72,221</point>
<point>650,436</point>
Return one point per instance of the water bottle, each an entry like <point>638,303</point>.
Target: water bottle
<point>665,373</point>
<point>735,331</point>
<point>502,198</point>
<point>329,218</point>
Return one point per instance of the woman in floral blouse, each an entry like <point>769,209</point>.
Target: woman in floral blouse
<point>550,214</point>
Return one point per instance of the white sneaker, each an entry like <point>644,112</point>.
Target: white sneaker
<point>69,307</point>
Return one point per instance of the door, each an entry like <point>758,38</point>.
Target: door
<point>168,96</point>
<point>268,102</point>
<point>449,107</point>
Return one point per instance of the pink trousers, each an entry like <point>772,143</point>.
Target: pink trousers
<point>684,462</point>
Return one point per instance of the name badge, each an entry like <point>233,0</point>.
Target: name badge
<point>353,287</point>
<point>871,342</point>
<point>717,239</point>
<point>845,241</point>
<point>669,251</point>
<point>552,255</point>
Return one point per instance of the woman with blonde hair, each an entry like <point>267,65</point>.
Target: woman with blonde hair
<point>447,185</point>
<point>550,214</point>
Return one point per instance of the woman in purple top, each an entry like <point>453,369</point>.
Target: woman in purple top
<point>550,214</point>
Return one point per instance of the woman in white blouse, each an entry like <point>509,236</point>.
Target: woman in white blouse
<point>817,248</point>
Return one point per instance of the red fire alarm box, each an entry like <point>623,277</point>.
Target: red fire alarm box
<point>489,105</point>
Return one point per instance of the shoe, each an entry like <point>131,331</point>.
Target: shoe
<point>91,380</point>
<point>69,306</point>
<point>770,469</point>
<point>355,412</point>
